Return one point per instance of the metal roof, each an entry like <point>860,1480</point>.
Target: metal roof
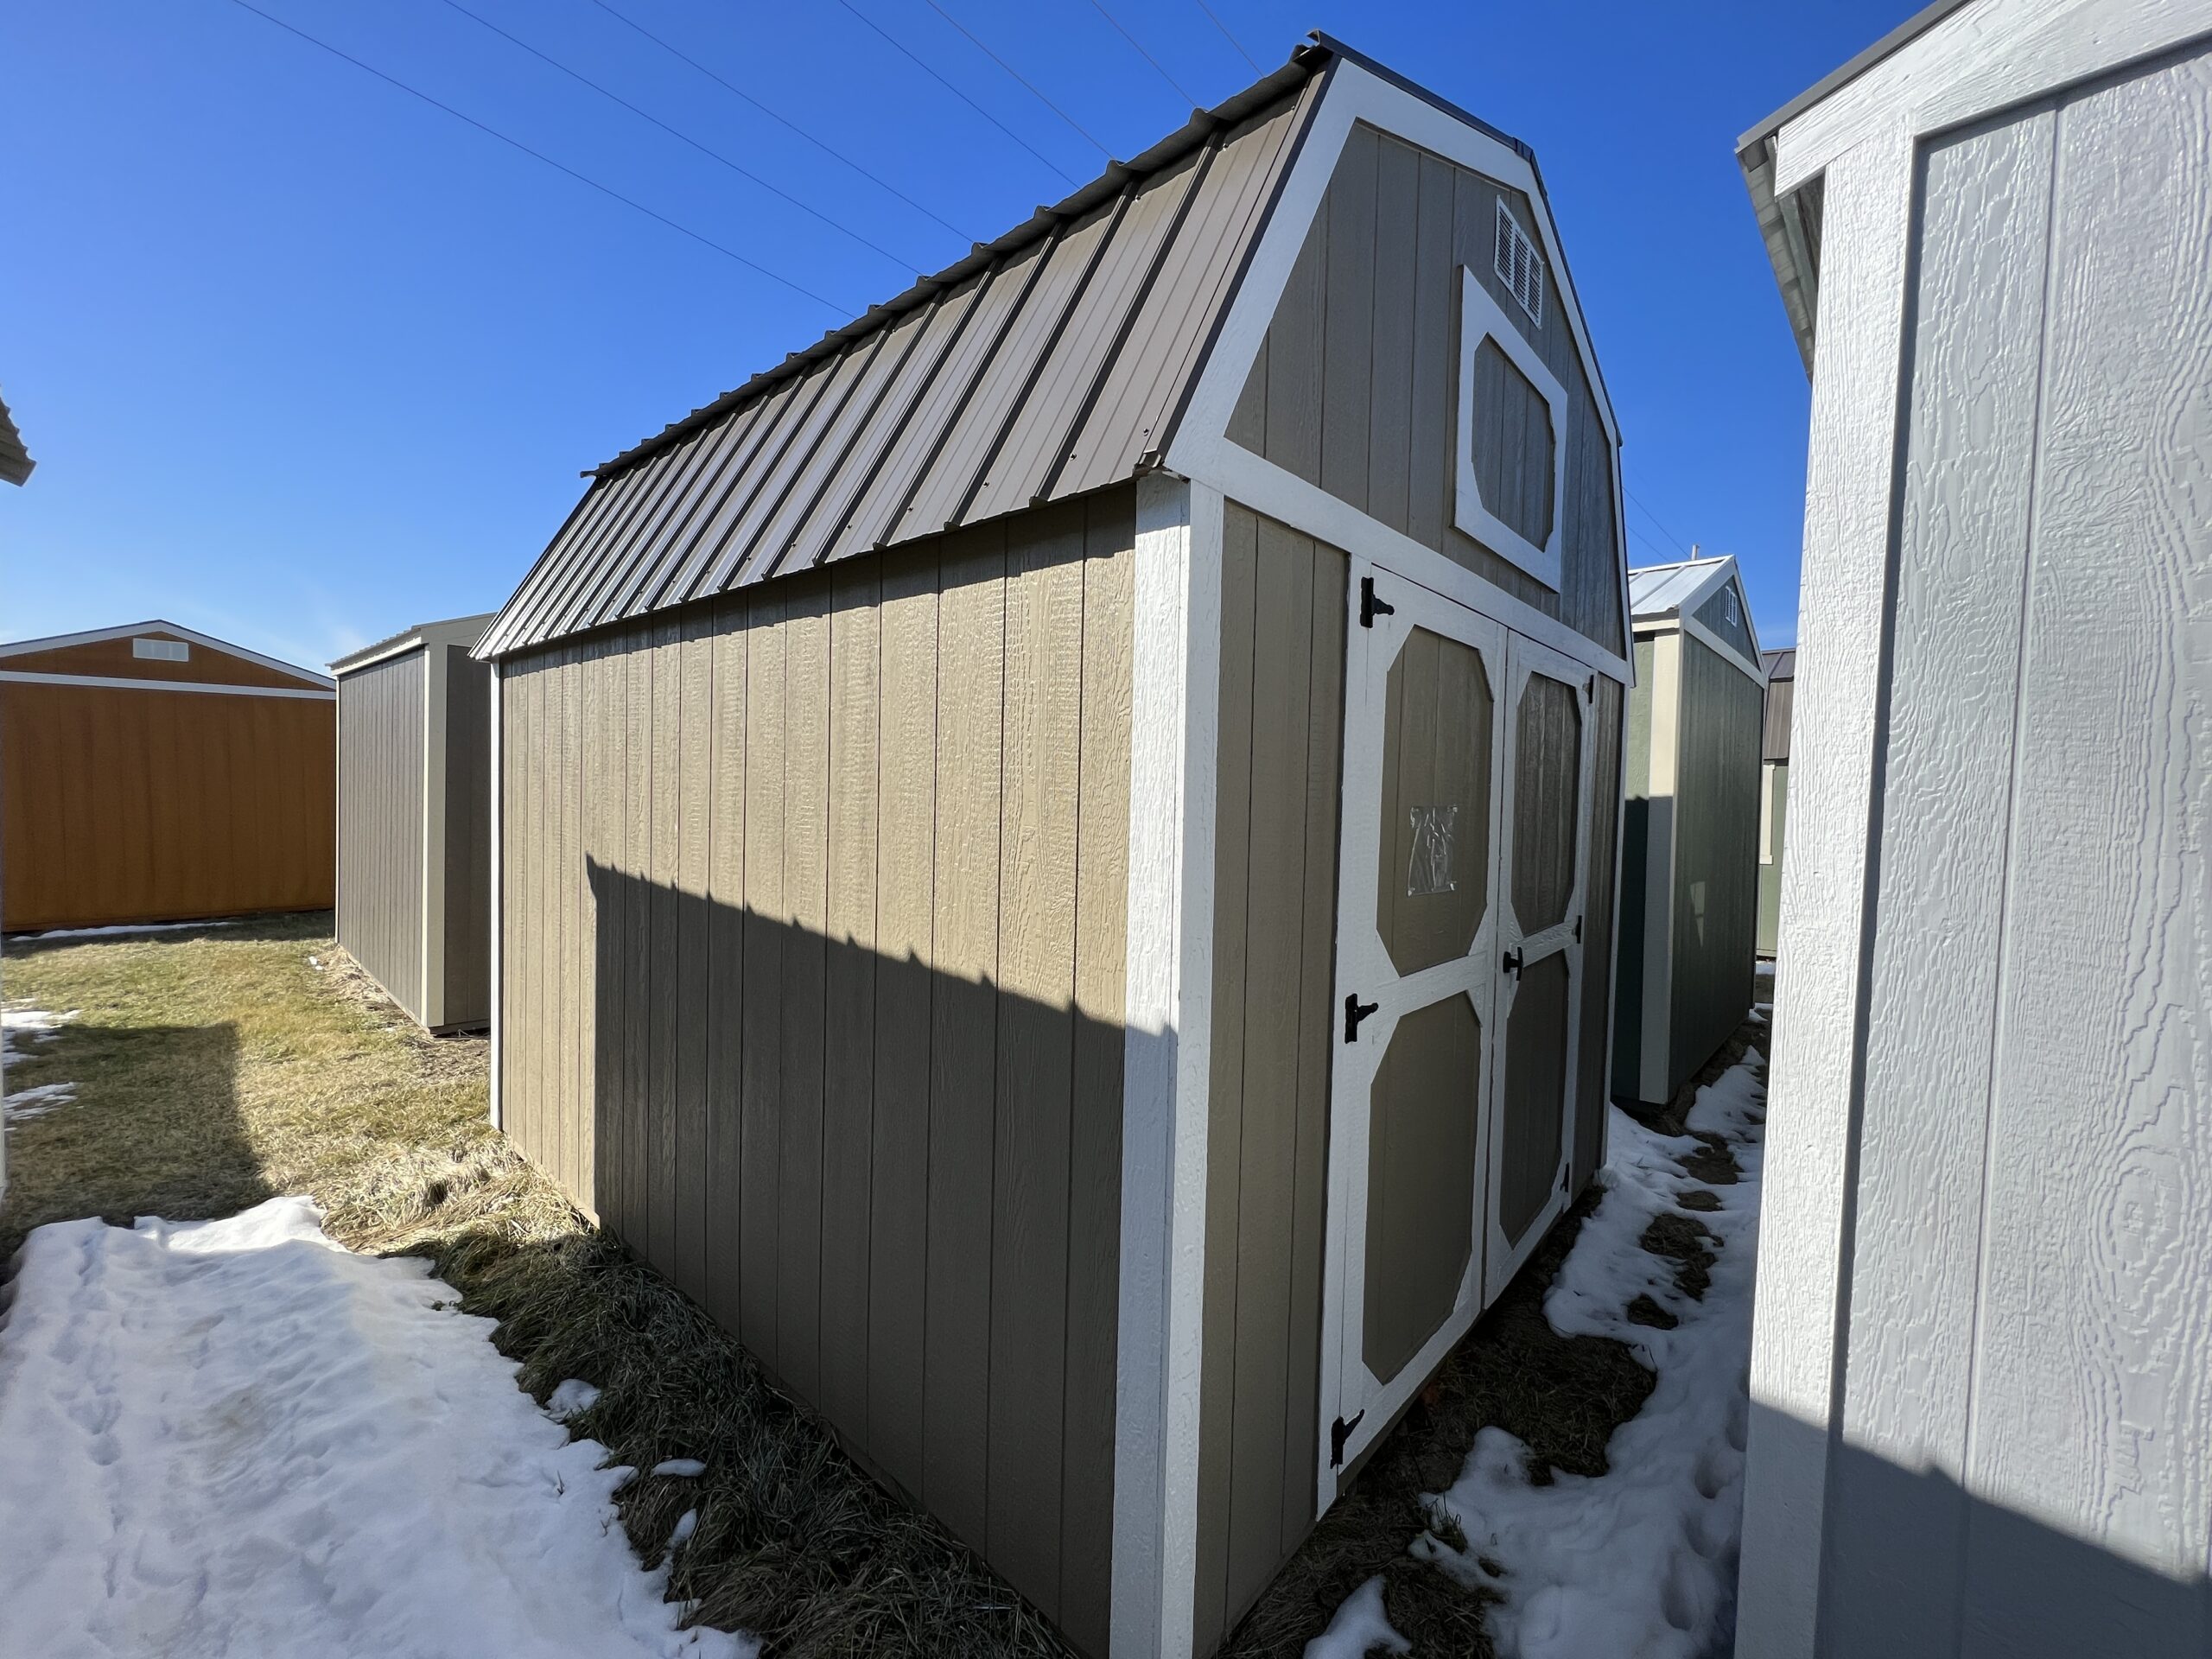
<point>16,462</point>
<point>1048,363</point>
<point>1662,591</point>
<point>453,631</point>
<point>1780,664</point>
<point>1791,225</point>
<point>1781,694</point>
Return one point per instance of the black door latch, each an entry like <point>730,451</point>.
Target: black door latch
<point>1369,606</point>
<point>1339,1432</point>
<point>1355,1011</point>
<point>1512,963</point>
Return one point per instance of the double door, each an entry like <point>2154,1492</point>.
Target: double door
<point>1459,966</point>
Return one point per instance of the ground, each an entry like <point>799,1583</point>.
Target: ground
<point>217,1069</point>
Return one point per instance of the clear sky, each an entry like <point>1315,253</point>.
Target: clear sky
<point>304,360</point>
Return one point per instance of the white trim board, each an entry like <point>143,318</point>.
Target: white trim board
<point>1175,731</point>
<point>96,636</point>
<point>1481,318</point>
<point>115,683</point>
<point>498,891</point>
<point>1199,448</point>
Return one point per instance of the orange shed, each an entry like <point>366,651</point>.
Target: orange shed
<point>151,774</point>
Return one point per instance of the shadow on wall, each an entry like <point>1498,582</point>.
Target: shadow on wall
<point>898,1186</point>
<point>1913,1565</point>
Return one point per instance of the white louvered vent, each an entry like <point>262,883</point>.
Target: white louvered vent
<point>162,650</point>
<point>1519,267</point>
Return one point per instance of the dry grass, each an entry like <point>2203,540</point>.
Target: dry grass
<point>217,1068</point>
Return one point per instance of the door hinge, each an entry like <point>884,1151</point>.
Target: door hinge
<point>1590,690</point>
<point>1355,1011</point>
<point>1512,963</point>
<point>1577,930</point>
<point>1339,1432</point>
<point>1369,606</point>
<point>1565,1170</point>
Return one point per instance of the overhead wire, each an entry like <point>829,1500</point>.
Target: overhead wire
<point>1215,18</point>
<point>1671,535</point>
<point>1023,78</point>
<point>731,87</point>
<point>1139,46</point>
<point>741,170</point>
<point>954,90</point>
<point>631,202</point>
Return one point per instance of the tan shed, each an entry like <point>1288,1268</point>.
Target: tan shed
<point>150,773</point>
<point>1057,850</point>
<point>415,820</point>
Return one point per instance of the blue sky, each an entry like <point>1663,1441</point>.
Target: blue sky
<point>304,360</point>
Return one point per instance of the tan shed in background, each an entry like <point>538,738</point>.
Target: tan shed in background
<point>415,820</point>
<point>151,774</point>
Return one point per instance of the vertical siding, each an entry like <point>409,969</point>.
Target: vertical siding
<point>467,919</point>
<point>380,806</point>
<point>1604,914</point>
<point>1716,858</point>
<point>813,959</point>
<point>1355,386</point>
<point>1280,745</point>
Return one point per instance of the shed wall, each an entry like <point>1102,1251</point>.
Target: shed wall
<point>127,805</point>
<point>467,918</point>
<point>1716,821</point>
<point>1280,750</point>
<point>380,808</point>
<point>1356,385</point>
<point>813,952</point>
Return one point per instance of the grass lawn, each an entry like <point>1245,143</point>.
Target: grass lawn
<point>221,1067</point>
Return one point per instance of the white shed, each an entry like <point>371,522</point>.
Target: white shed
<point>1981,1376</point>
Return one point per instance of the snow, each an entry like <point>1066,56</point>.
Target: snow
<point>571,1397</point>
<point>38,1102</point>
<point>1641,1561</point>
<point>237,1437</point>
<point>23,1024</point>
<point>130,927</point>
<point>1360,1627</point>
<point>689,1468</point>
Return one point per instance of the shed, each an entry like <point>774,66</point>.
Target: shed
<point>1774,790</point>
<point>1689,853</point>
<point>1981,1369</point>
<point>415,820</point>
<point>151,774</point>
<point>1061,882</point>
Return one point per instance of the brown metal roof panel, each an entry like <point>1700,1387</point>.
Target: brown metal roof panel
<point>509,628</point>
<point>840,449</point>
<point>659,522</point>
<point>717,470</point>
<point>976,439</point>
<point>1145,388</point>
<point>1036,442</point>
<point>609,560</point>
<point>582,558</point>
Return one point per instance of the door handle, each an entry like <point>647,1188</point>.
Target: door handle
<point>1512,963</point>
<point>1355,1011</point>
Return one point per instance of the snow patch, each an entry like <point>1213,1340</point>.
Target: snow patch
<point>122,929</point>
<point>23,1027</point>
<point>1360,1626</point>
<point>243,1438</point>
<point>39,1101</point>
<point>571,1397</point>
<point>689,1468</point>
<point>1642,1560</point>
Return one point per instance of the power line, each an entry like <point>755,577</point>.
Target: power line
<point>540,155</point>
<point>1653,518</point>
<point>1146,55</point>
<point>728,87</point>
<point>1024,80</point>
<point>954,90</point>
<point>1230,38</point>
<point>712,155</point>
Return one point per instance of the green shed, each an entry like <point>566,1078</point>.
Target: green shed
<point>1689,848</point>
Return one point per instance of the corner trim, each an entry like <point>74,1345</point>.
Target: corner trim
<point>498,881</point>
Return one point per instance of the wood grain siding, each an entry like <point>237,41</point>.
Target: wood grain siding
<point>1716,824</point>
<point>1636,889</point>
<point>128,805</point>
<point>467,919</point>
<point>2026,1411</point>
<point>1281,724</point>
<point>831,874</point>
<point>1723,614</point>
<point>115,659</point>
<point>380,807</point>
<point>1603,907</point>
<point>1356,387</point>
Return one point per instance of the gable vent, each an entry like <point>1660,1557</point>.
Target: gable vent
<point>1519,266</point>
<point>162,650</point>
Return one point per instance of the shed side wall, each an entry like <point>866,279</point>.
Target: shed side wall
<point>380,811</point>
<point>123,805</point>
<point>467,918</point>
<point>1280,749</point>
<point>813,961</point>
<point>1716,858</point>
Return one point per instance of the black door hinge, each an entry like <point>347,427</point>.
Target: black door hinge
<point>1565,1171</point>
<point>1369,606</point>
<point>1512,963</point>
<point>1339,1432</point>
<point>1355,1011</point>
<point>1590,690</point>
<point>1577,930</point>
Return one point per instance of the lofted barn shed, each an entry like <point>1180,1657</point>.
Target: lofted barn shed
<point>1982,1360</point>
<point>1689,847</point>
<point>415,820</point>
<point>1056,853</point>
<point>151,774</point>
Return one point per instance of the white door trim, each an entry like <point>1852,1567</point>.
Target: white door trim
<point>498,1012</point>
